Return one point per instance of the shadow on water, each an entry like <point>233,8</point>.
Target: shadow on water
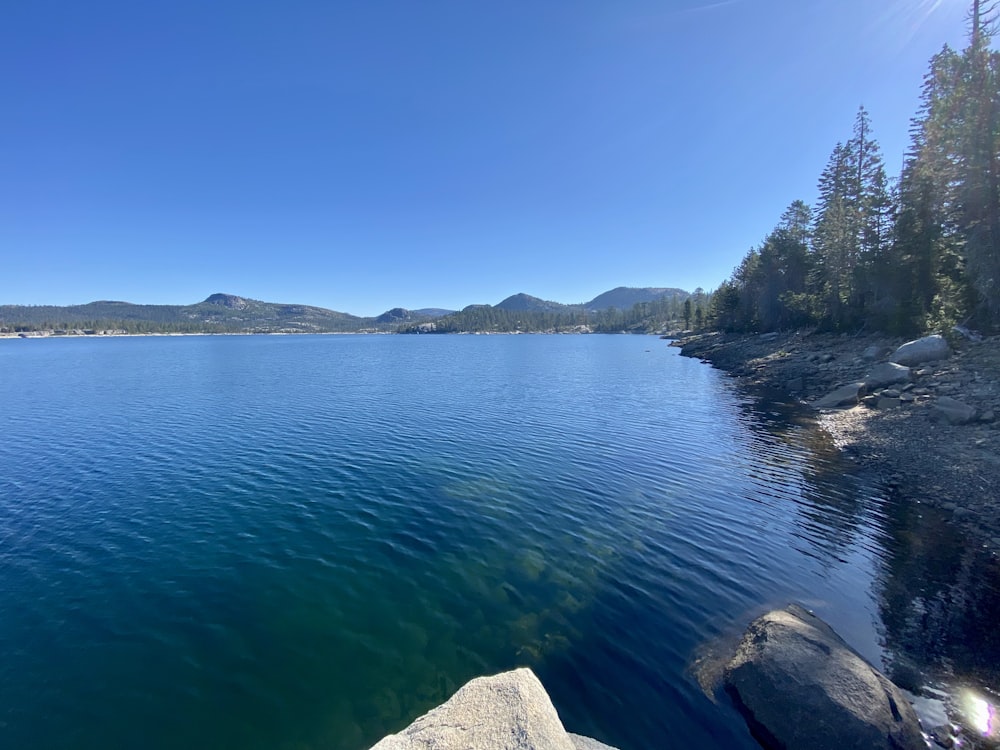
<point>939,597</point>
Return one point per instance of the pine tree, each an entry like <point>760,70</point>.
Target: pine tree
<point>978,198</point>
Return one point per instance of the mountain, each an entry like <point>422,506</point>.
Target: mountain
<point>219,313</point>
<point>401,315</point>
<point>624,297</point>
<point>526,303</point>
<point>228,313</point>
<point>432,312</point>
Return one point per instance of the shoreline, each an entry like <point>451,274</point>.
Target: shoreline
<point>917,456</point>
<point>124,335</point>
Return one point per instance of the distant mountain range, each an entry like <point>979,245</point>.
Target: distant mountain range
<point>228,313</point>
<point>621,298</point>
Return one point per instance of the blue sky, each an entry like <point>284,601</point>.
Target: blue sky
<point>367,154</point>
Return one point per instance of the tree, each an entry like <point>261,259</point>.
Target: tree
<point>978,197</point>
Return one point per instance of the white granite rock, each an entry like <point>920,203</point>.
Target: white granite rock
<point>927,349</point>
<point>508,711</point>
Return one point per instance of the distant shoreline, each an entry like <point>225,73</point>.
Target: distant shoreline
<point>124,334</point>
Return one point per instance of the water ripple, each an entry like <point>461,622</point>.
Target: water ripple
<point>278,542</point>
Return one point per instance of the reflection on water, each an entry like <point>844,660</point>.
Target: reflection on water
<point>939,597</point>
<point>937,590</point>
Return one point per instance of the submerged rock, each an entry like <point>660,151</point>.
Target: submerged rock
<point>508,711</point>
<point>927,349</point>
<point>801,687</point>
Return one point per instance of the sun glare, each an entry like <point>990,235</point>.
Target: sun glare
<point>982,714</point>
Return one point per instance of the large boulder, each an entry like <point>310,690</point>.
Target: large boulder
<point>845,395</point>
<point>887,373</point>
<point>802,688</point>
<point>508,711</point>
<point>927,349</point>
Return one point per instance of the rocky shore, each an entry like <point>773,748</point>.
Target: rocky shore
<point>930,431</point>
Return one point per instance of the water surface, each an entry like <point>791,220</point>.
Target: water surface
<point>305,542</point>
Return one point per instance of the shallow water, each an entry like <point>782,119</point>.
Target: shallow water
<point>305,542</point>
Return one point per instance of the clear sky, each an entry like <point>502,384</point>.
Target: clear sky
<point>367,154</point>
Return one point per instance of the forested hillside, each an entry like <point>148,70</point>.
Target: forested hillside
<point>667,312</point>
<point>904,255</point>
<point>219,313</point>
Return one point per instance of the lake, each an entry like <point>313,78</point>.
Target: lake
<point>306,541</point>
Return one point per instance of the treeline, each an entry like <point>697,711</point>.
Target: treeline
<point>917,253</point>
<point>115,326</point>
<point>666,312</point>
<point>251,317</point>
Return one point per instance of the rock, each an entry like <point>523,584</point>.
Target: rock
<point>587,743</point>
<point>769,336</point>
<point>942,736</point>
<point>801,687</point>
<point>870,401</point>
<point>887,403</point>
<point>508,711</point>
<point>988,416</point>
<point>927,349</point>
<point>846,395</point>
<point>953,411</point>
<point>890,393</point>
<point>873,352</point>
<point>795,385</point>
<point>887,373</point>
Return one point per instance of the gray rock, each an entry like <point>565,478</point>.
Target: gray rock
<point>890,393</point>
<point>846,395</point>
<point>953,411</point>
<point>508,711</point>
<point>988,416</point>
<point>801,687</point>
<point>887,373</point>
<point>887,403</point>
<point>927,349</point>
<point>874,352</point>
<point>942,736</point>
<point>587,743</point>
<point>795,385</point>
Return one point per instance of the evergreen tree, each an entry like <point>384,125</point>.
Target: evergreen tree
<point>978,197</point>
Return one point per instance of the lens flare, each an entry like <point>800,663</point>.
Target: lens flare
<point>982,715</point>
